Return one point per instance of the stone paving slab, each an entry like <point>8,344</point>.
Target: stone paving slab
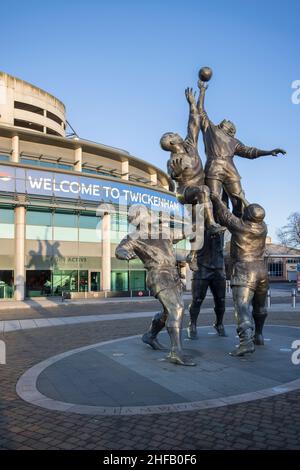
<point>269,422</point>
<point>128,375</point>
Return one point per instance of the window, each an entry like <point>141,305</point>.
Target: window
<point>65,227</point>
<point>4,158</point>
<point>6,284</point>
<point>119,281</point>
<point>52,132</point>
<point>275,269</point>
<point>95,281</point>
<point>43,163</point>
<point>29,107</point>
<point>7,223</point>
<point>54,117</point>
<point>28,125</point>
<point>38,225</point>
<point>89,228</point>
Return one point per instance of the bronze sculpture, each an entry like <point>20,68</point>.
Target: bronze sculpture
<point>249,279</point>
<point>158,255</point>
<point>221,146</point>
<point>185,166</point>
<point>207,265</point>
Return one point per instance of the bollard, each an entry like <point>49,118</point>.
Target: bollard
<point>269,298</point>
<point>228,287</point>
<point>293,298</point>
<point>62,296</point>
<point>131,293</point>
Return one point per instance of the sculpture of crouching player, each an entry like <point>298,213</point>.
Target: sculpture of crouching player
<point>155,250</point>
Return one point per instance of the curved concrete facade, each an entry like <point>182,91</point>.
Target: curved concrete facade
<point>27,106</point>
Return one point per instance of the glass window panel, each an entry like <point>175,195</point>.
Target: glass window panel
<point>38,218</point>
<point>89,235</point>
<point>38,283</point>
<point>6,284</point>
<point>95,281</point>
<point>4,157</point>
<point>89,221</point>
<point>83,281</point>
<point>62,219</point>
<point>137,280</point>
<point>7,231</point>
<point>7,216</point>
<point>119,281</point>
<point>34,232</point>
<point>65,234</point>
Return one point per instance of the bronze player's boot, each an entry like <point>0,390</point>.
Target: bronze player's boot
<point>150,337</point>
<point>246,345</point>
<point>176,355</point>
<point>259,321</point>
<point>192,326</point>
<point>218,325</point>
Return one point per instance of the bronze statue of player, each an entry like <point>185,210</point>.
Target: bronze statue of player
<point>221,146</point>
<point>158,255</point>
<point>207,265</point>
<point>185,166</point>
<point>249,279</point>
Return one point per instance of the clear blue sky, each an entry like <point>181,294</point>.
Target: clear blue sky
<point>121,67</point>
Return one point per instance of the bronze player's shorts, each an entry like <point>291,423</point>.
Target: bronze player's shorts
<point>251,274</point>
<point>163,278</point>
<point>223,170</point>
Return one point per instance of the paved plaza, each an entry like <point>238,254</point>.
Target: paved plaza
<point>88,382</point>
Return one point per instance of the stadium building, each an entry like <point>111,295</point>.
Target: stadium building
<point>52,237</point>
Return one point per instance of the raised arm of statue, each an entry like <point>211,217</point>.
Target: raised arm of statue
<point>204,119</point>
<point>194,119</point>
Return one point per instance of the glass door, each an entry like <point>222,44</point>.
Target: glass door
<point>95,277</point>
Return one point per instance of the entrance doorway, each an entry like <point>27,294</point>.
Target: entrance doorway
<point>6,284</point>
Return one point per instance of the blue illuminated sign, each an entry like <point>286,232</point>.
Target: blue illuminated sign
<point>45,183</point>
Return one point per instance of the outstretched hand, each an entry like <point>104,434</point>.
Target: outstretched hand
<point>275,152</point>
<point>190,95</point>
<point>202,86</point>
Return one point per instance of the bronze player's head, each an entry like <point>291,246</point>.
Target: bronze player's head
<point>228,127</point>
<point>254,213</point>
<point>171,141</point>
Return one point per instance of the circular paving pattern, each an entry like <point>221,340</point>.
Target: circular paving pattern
<point>124,376</point>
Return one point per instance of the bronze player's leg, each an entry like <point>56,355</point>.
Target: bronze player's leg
<point>157,324</point>
<point>260,311</point>
<point>217,286</point>
<point>232,188</point>
<point>172,301</point>
<point>201,195</point>
<point>199,290</point>
<point>215,186</point>
<point>242,298</point>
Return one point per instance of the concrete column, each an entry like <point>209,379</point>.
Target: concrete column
<point>106,252</point>
<point>78,159</point>
<point>15,145</point>
<point>153,178</point>
<point>20,221</point>
<point>125,170</point>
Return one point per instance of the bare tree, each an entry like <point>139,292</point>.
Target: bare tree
<point>290,234</point>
